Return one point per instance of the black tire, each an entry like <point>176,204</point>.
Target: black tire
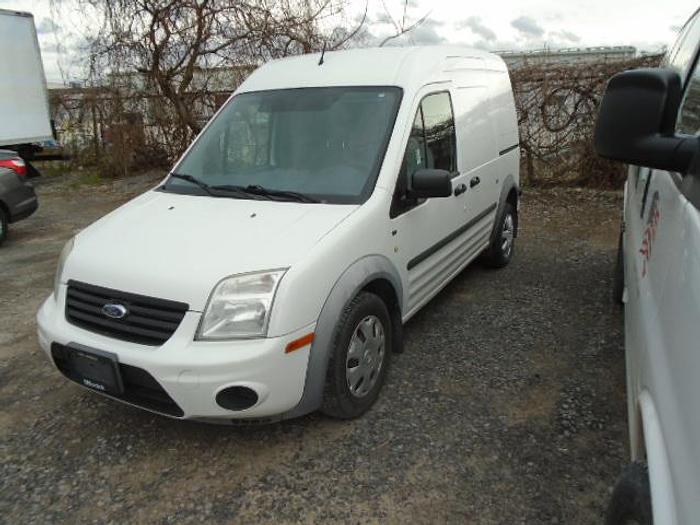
<point>4,224</point>
<point>619,275</point>
<point>631,498</point>
<point>495,255</point>
<point>338,401</point>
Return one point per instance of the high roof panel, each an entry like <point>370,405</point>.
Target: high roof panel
<point>406,67</point>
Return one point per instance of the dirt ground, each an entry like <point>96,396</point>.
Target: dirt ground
<point>508,405</point>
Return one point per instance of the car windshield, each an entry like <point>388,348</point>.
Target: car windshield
<point>323,143</point>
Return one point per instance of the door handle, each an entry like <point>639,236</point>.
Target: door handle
<point>474,182</point>
<point>460,189</point>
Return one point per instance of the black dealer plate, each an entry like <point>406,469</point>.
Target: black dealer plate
<point>95,369</point>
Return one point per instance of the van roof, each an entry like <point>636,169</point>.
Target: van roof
<point>405,67</point>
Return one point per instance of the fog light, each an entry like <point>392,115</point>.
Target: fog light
<point>237,398</point>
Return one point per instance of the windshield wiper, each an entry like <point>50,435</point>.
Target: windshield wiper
<point>270,193</point>
<point>193,180</point>
<point>231,191</point>
<point>240,191</point>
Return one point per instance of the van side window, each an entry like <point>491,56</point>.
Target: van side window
<point>681,55</point>
<point>414,158</point>
<point>689,115</point>
<point>440,132</point>
<point>432,144</point>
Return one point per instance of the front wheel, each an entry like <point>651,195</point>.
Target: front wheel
<point>631,499</point>
<point>500,252</point>
<point>360,357</point>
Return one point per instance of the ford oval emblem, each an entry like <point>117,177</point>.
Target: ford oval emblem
<point>115,311</point>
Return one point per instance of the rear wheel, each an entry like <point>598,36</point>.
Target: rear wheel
<point>4,223</point>
<point>631,499</point>
<point>360,358</point>
<point>500,252</point>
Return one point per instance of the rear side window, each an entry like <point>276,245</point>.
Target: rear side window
<point>439,125</point>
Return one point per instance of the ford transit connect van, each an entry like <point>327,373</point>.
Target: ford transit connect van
<point>651,119</point>
<point>270,273</point>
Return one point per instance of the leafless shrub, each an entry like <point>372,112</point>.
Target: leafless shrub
<point>557,106</point>
<point>401,25</point>
<point>158,69</point>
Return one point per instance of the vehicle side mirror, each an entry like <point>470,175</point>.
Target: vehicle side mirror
<point>427,183</point>
<point>637,119</point>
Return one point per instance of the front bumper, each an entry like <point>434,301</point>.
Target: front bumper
<point>193,372</point>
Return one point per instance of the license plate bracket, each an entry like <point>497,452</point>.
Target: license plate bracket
<point>95,369</point>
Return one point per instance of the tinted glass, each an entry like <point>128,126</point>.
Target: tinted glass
<point>681,55</point>
<point>327,143</point>
<point>439,132</point>
<point>415,157</point>
<point>689,116</point>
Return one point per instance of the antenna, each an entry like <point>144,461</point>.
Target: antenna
<point>323,52</point>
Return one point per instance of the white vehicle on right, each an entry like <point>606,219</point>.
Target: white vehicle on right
<point>650,119</point>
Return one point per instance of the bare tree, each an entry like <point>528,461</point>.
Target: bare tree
<point>402,25</point>
<point>168,49</point>
<point>557,106</point>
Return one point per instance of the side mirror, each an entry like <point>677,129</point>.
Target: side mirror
<point>637,119</point>
<point>427,183</point>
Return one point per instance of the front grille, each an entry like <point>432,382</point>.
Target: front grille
<point>149,321</point>
<point>140,388</point>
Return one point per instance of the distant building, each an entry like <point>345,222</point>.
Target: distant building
<point>571,55</point>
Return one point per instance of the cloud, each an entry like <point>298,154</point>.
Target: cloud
<point>46,25</point>
<point>427,33</point>
<point>430,32</point>
<point>474,24</point>
<point>566,36</point>
<point>527,26</point>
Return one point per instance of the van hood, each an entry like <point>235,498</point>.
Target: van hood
<point>178,247</point>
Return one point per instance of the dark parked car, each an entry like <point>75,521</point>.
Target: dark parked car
<point>17,200</point>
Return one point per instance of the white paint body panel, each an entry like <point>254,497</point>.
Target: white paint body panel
<point>661,244</point>
<point>179,246</point>
<point>661,334</point>
<point>24,101</point>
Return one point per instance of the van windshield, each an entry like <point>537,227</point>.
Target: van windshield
<point>324,143</point>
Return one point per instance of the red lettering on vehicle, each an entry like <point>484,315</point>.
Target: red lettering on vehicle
<point>649,234</point>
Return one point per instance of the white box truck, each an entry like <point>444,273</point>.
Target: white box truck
<point>24,101</point>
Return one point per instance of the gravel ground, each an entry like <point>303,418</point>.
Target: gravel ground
<point>508,405</point>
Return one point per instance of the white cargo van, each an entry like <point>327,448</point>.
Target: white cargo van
<point>270,274</point>
<point>651,119</point>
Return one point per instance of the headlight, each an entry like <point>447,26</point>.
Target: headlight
<point>240,306</point>
<point>61,263</point>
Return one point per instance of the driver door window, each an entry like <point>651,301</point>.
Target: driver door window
<point>689,115</point>
<point>432,144</point>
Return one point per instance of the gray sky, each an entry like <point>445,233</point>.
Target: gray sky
<point>492,25</point>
